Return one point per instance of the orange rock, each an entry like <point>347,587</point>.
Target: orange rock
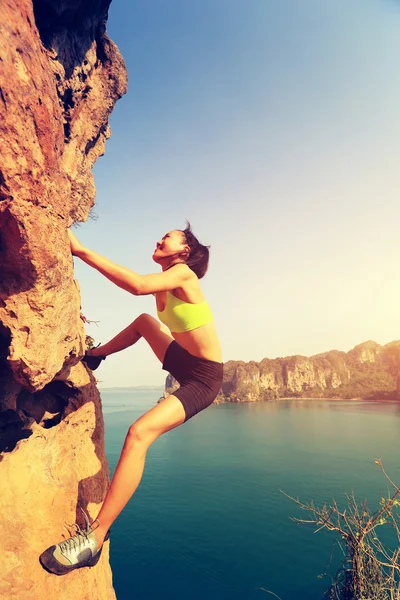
<point>60,76</point>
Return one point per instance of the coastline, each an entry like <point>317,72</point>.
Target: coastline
<point>336,398</point>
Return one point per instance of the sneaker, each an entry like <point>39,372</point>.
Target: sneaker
<point>93,361</point>
<point>80,550</point>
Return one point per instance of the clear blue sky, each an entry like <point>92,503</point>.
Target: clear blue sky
<point>273,126</point>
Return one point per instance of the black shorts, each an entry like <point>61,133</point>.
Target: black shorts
<point>200,379</point>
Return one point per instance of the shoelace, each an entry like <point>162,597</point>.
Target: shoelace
<point>79,537</point>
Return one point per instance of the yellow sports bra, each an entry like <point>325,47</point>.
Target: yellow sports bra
<point>180,316</point>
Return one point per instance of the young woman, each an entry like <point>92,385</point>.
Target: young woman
<point>190,351</point>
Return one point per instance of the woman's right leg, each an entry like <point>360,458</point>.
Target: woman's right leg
<point>157,336</point>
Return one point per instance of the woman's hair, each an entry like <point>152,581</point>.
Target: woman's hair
<point>198,254</point>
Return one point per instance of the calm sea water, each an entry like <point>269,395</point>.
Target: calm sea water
<point>208,519</point>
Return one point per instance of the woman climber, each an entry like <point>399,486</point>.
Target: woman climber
<point>190,351</point>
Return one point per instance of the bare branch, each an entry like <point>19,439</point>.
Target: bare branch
<point>269,592</point>
<point>370,570</point>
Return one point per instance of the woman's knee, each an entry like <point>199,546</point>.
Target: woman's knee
<point>145,324</point>
<point>138,435</point>
<point>143,319</point>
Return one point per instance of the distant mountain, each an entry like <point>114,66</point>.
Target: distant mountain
<point>368,371</point>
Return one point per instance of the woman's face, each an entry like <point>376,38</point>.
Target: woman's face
<point>171,245</point>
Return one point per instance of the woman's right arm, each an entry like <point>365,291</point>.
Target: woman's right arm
<point>125,278</point>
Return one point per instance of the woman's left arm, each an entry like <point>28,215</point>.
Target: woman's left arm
<point>129,280</point>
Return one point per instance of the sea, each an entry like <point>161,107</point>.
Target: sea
<point>211,518</point>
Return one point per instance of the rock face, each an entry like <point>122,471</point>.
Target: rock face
<point>368,371</point>
<point>60,76</point>
<point>171,385</point>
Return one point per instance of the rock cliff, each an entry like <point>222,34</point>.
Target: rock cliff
<point>367,371</point>
<point>60,76</point>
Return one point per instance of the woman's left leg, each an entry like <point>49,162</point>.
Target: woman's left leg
<point>158,420</point>
<point>145,326</point>
<point>83,549</point>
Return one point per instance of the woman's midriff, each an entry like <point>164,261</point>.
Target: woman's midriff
<point>202,342</point>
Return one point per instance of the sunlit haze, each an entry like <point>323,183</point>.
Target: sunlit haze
<point>273,127</point>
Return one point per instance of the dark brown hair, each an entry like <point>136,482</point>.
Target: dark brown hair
<point>198,253</point>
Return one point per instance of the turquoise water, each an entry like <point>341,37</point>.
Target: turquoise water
<point>208,519</point>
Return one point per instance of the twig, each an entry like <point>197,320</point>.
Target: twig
<point>269,592</point>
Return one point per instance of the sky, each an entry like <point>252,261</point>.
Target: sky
<point>273,126</point>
